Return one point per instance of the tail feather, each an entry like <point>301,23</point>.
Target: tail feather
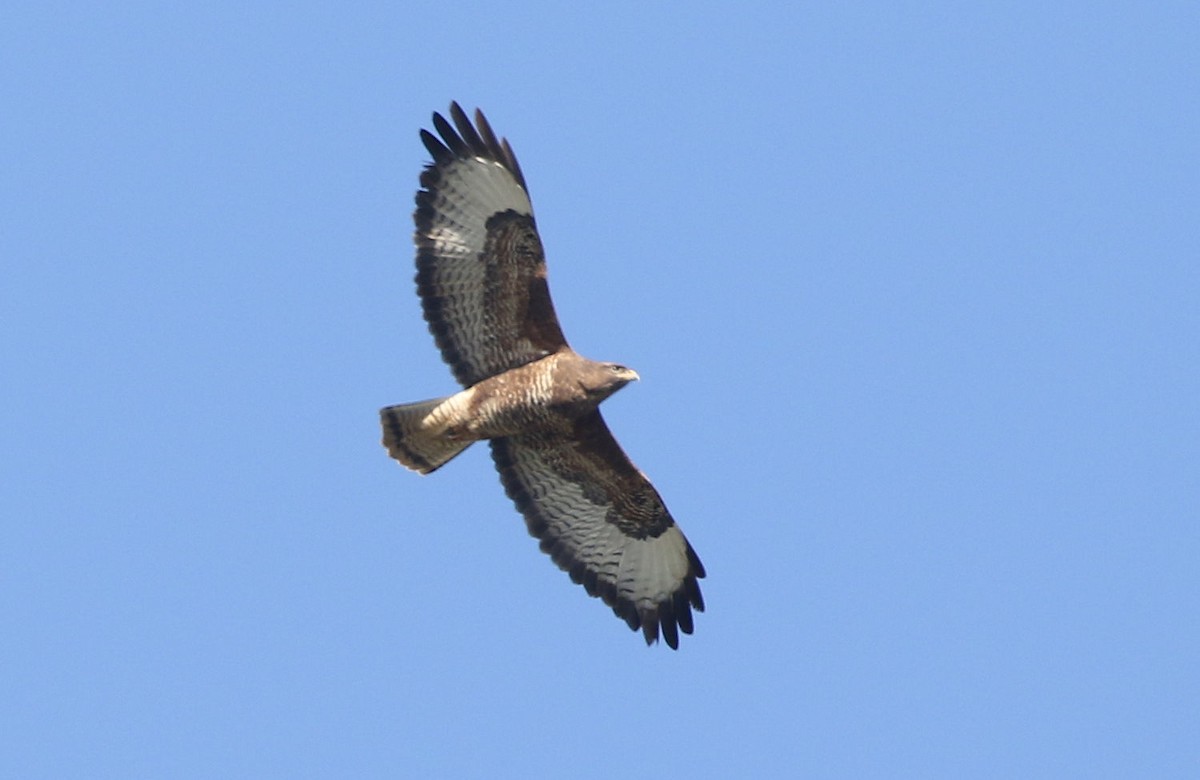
<point>415,440</point>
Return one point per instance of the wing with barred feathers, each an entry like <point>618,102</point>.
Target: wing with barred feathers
<point>602,522</point>
<point>481,270</point>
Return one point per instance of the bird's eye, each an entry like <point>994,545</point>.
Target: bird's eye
<point>616,369</point>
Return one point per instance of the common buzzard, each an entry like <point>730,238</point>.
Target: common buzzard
<point>481,277</point>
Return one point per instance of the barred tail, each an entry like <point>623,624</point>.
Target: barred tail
<point>414,440</point>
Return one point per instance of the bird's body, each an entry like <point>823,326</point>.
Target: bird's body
<point>481,277</point>
<point>546,396</point>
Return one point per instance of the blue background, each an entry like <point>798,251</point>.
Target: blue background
<point>913,290</point>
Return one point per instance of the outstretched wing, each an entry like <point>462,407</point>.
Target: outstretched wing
<point>481,271</point>
<point>602,522</point>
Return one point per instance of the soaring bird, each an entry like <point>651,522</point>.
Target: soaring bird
<point>481,278</point>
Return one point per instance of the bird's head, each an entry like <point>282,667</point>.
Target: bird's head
<point>604,379</point>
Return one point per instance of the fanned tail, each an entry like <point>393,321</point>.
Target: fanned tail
<point>417,441</point>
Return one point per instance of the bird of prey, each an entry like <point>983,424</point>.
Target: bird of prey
<point>481,278</point>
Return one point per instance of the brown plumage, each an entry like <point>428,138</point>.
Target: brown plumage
<point>481,277</point>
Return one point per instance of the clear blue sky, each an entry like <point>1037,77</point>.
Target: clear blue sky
<point>913,289</point>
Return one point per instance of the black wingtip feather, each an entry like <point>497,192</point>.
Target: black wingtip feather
<point>683,612</point>
<point>627,612</point>
<point>451,138</point>
<point>462,138</point>
<point>694,597</point>
<point>467,131</point>
<point>485,130</point>
<point>436,149</point>
<point>666,619</point>
<point>694,563</point>
<point>510,160</point>
<point>650,627</point>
